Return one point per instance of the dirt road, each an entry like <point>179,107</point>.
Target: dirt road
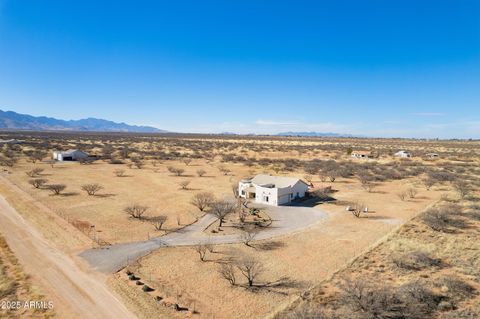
<point>75,292</point>
<point>286,220</point>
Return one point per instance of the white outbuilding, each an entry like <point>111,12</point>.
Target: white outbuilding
<point>403,154</point>
<point>70,155</point>
<point>272,190</point>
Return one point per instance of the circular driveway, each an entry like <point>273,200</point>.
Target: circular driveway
<point>285,220</point>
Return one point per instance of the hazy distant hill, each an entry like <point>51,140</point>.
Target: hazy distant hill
<point>313,134</point>
<point>16,121</point>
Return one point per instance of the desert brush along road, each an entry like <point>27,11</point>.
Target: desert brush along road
<point>75,293</point>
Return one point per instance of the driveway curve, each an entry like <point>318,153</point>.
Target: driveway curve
<point>285,220</point>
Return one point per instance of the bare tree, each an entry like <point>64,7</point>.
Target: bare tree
<point>332,175</point>
<point>201,249</point>
<point>92,189</point>
<point>227,271</point>
<point>429,182</point>
<point>203,200</point>
<point>57,188</point>
<point>184,184</point>
<point>119,172</point>
<point>222,208</point>
<point>402,195</point>
<point>224,170</point>
<point>158,221</point>
<point>248,235</point>
<point>35,172</point>
<point>187,161</point>
<point>37,182</point>
<point>250,268</point>
<point>412,192</point>
<point>135,210</point>
<point>35,156</point>
<point>175,170</point>
<point>201,172</point>
<point>366,182</point>
<point>358,208</point>
<point>308,178</point>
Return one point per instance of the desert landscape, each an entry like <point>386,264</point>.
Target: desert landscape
<point>160,220</point>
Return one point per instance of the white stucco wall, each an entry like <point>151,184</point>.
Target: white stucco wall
<point>242,186</point>
<point>263,192</point>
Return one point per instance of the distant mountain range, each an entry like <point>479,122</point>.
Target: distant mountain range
<point>15,121</point>
<point>314,134</point>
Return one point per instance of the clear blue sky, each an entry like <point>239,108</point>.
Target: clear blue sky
<point>379,68</point>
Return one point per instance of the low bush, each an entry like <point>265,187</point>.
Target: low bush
<point>415,260</point>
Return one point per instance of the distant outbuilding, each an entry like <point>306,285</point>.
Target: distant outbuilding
<point>70,155</point>
<point>403,154</point>
<point>362,154</point>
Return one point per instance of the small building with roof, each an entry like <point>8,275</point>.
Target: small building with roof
<point>70,155</point>
<point>272,190</point>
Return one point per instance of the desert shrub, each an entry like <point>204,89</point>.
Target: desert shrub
<point>34,172</point>
<point>119,172</point>
<point>462,188</point>
<point>37,182</point>
<point>413,300</point>
<point>92,189</point>
<point>184,184</point>
<point>469,313</point>
<point>308,312</point>
<point>456,289</point>
<point>116,161</point>
<point>56,189</point>
<point>473,213</point>
<point>414,260</point>
<point>442,218</point>
<point>175,170</point>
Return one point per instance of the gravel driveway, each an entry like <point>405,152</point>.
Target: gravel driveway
<point>286,220</point>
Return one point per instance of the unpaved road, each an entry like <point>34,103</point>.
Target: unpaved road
<point>286,220</point>
<point>75,293</point>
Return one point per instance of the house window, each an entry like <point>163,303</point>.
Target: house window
<point>265,199</point>
<point>243,192</point>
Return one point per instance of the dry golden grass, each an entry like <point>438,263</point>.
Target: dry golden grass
<point>15,285</point>
<point>456,256</point>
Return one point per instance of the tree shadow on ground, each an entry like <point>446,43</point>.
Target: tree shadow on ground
<point>272,245</point>
<point>277,286</point>
<point>105,195</point>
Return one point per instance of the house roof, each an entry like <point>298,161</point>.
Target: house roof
<point>275,181</point>
<point>71,152</point>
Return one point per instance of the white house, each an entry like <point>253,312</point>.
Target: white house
<point>70,155</point>
<point>403,154</point>
<point>272,190</point>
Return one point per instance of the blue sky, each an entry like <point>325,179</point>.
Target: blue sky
<point>377,68</point>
